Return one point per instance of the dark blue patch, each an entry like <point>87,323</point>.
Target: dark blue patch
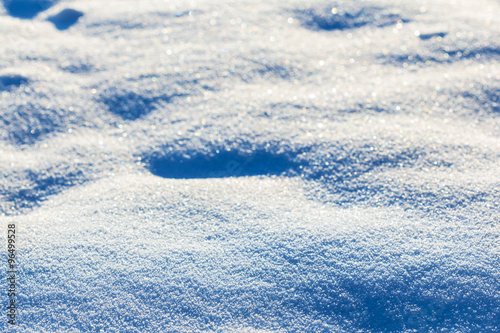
<point>221,164</point>
<point>432,35</point>
<point>12,81</point>
<point>27,9</point>
<point>65,19</point>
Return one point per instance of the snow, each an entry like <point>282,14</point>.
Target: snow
<point>252,166</point>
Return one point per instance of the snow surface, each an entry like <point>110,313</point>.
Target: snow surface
<point>252,166</point>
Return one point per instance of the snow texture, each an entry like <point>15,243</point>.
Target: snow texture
<point>252,166</point>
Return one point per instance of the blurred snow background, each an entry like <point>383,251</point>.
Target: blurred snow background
<point>253,166</point>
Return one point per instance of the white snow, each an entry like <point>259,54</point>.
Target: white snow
<point>252,166</point>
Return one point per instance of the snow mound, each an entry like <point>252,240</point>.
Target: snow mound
<point>36,113</point>
<point>218,258</point>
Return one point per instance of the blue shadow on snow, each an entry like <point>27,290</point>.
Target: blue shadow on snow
<point>65,19</point>
<point>27,9</point>
<point>221,164</point>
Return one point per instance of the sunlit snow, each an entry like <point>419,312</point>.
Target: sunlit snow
<point>252,166</point>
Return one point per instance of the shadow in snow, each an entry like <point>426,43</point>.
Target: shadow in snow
<point>12,81</point>
<point>444,55</point>
<point>432,35</point>
<point>37,187</point>
<point>131,106</point>
<point>354,15</point>
<point>133,98</point>
<point>221,164</point>
<point>65,19</point>
<point>27,9</point>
